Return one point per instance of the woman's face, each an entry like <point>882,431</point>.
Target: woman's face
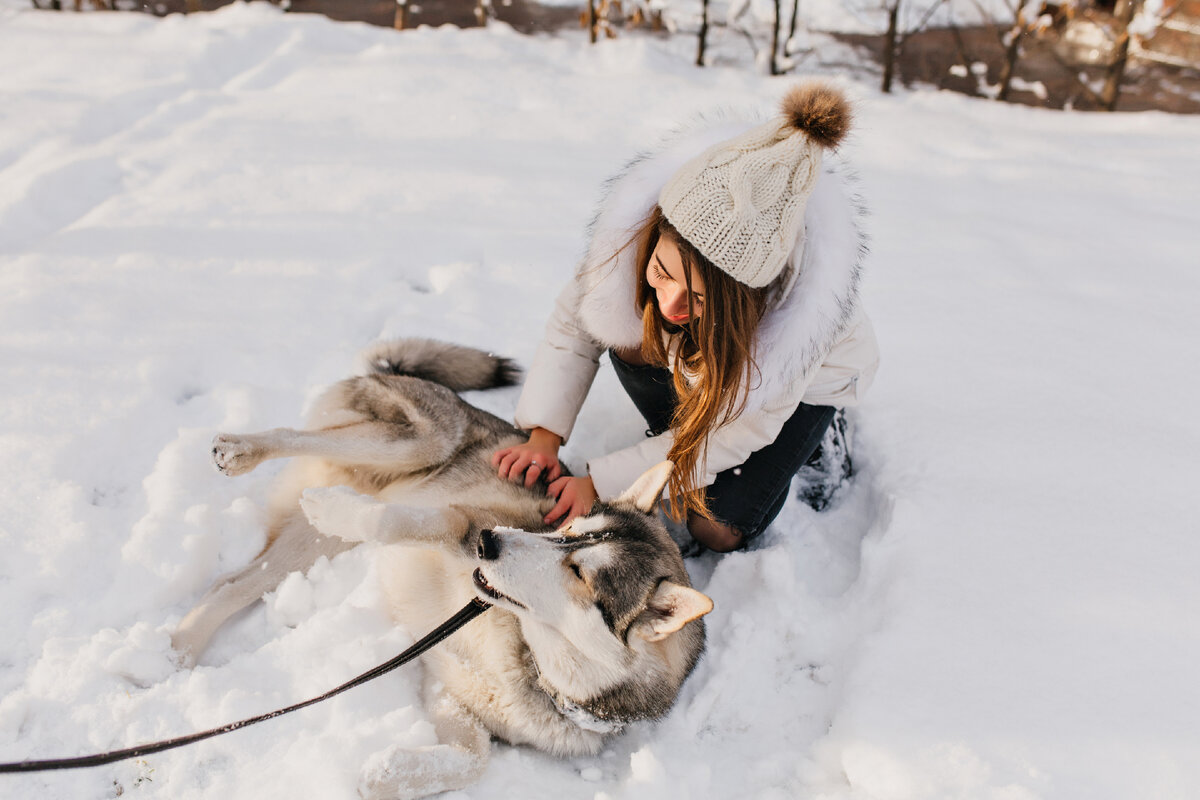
<point>665,274</point>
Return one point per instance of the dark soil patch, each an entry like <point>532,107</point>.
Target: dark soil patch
<point>941,57</point>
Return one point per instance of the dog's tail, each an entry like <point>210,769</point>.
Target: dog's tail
<point>456,367</point>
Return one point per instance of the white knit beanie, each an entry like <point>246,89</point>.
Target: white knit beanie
<point>741,202</point>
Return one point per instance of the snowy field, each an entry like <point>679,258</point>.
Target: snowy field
<point>203,219</point>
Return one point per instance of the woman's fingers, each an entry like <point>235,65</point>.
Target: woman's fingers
<point>531,461</point>
<point>571,501</point>
<point>543,465</point>
<point>499,455</point>
<point>531,474</point>
<point>561,507</point>
<point>521,464</point>
<point>559,490</point>
<point>511,468</point>
<point>506,464</point>
<point>577,509</point>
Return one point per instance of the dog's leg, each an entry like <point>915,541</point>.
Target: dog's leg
<point>374,444</point>
<point>343,512</point>
<point>456,762</point>
<point>295,547</point>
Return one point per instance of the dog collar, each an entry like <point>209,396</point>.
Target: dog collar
<point>579,715</point>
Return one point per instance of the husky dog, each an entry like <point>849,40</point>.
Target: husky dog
<point>595,624</point>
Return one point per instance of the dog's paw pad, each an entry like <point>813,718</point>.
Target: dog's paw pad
<point>234,455</point>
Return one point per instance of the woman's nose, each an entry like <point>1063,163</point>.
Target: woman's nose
<point>674,302</point>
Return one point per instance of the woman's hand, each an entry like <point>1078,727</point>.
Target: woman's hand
<point>531,460</point>
<point>575,496</point>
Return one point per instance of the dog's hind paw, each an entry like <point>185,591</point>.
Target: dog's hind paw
<point>342,512</point>
<point>400,774</point>
<point>235,455</point>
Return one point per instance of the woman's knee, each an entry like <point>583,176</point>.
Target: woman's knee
<point>714,535</point>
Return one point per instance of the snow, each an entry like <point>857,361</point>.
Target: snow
<point>204,218</point>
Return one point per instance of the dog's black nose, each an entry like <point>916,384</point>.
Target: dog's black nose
<point>489,546</point>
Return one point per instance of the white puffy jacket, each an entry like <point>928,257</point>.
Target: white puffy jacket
<point>814,344</point>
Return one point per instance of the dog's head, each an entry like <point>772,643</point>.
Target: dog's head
<point>605,594</point>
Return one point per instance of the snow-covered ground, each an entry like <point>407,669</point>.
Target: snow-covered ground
<point>202,219</point>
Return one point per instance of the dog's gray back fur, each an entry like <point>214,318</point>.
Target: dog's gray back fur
<point>411,391</point>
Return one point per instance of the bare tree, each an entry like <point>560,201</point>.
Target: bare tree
<point>893,40</point>
<point>773,54</point>
<point>775,28</point>
<point>1125,12</point>
<point>890,43</point>
<point>1012,51</point>
<point>791,35</point>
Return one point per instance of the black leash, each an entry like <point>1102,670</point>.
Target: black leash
<point>469,612</point>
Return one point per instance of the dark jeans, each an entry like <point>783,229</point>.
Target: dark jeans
<point>749,496</point>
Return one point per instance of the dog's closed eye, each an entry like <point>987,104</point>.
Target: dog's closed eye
<point>578,572</point>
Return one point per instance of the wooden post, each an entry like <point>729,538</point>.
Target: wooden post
<point>401,18</point>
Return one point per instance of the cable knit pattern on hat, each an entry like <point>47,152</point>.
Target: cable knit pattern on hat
<point>741,202</point>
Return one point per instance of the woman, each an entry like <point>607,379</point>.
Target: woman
<point>722,276</point>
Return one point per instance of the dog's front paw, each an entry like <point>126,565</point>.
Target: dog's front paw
<point>342,512</point>
<point>235,455</point>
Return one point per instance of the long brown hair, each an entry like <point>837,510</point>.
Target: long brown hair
<point>714,349</point>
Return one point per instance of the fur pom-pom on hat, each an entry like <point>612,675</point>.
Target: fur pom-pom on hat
<point>820,110</point>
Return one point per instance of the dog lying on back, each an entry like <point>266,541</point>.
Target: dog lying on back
<point>595,624</point>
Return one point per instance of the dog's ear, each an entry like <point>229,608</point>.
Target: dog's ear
<point>670,608</point>
<point>646,491</point>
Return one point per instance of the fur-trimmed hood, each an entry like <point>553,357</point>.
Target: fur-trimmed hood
<point>817,304</point>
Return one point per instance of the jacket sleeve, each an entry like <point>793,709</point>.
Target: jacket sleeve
<point>728,446</point>
<point>562,371</point>
<point>840,380</point>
